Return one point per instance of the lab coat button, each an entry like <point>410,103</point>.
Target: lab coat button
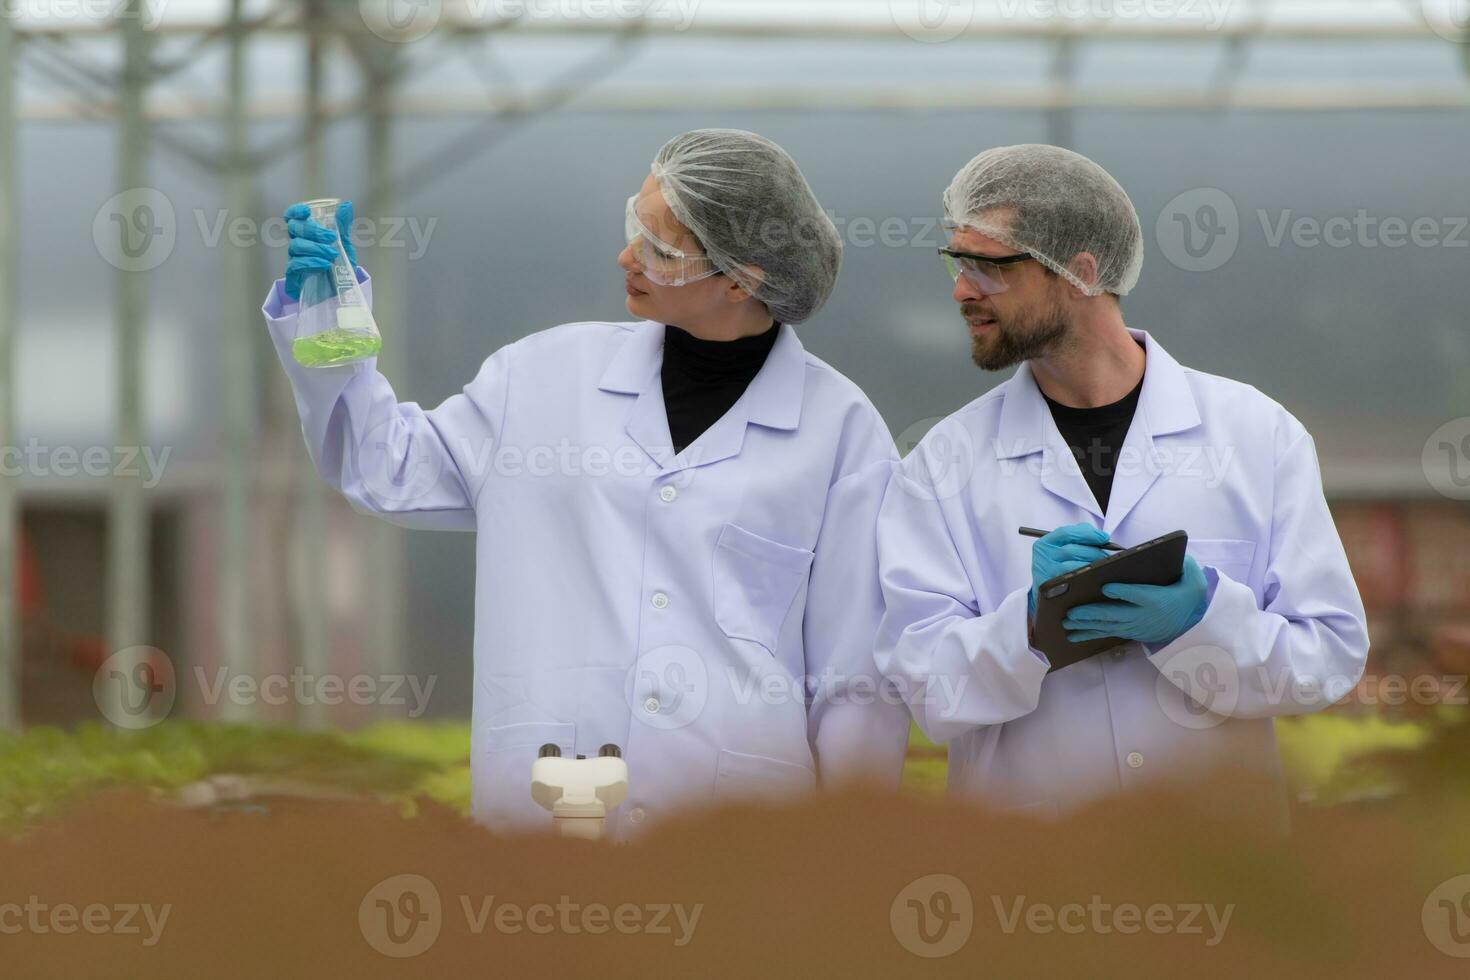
<point>651,706</point>
<point>1135,760</point>
<point>636,814</point>
<point>667,494</point>
<point>660,600</point>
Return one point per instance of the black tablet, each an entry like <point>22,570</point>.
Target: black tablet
<point>1156,562</point>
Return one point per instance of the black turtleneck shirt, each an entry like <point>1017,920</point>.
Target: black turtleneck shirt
<point>703,378</point>
<point>1095,436</point>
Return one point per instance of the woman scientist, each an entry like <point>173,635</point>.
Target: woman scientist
<point>675,516</point>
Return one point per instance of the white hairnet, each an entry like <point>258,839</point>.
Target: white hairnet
<point>745,200</point>
<point>1053,204</point>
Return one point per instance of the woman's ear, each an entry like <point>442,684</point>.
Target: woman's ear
<point>735,292</point>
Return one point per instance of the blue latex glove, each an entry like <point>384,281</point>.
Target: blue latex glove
<point>313,247</point>
<point>1069,547</point>
<point>1146,613</point>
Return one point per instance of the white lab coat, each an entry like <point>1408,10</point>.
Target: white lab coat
<point>1284,632</point>
<point>674,606</point>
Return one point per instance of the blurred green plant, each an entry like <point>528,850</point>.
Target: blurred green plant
<point>1323,754</point>
<point>48,768</point>
<point>1329,758</point>
<point>1433,768</point>
<point>926,770</point>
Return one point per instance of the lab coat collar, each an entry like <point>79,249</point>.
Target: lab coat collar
<point>637,360</point>
<point>773,398</point>
<point>775,393</point>
<point>1166,405</point>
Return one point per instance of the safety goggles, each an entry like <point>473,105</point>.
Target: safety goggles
<point>661,262</point>
<point>985,272</point>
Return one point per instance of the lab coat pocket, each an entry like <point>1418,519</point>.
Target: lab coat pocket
<point>501,773</point>
<point>755,582</point>
<point>1230,556</point>
<point>757,777</point>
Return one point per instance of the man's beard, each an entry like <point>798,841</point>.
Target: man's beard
<point>1017,339</point>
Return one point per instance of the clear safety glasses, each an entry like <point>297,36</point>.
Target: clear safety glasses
<point>985,272</point>
<point>661,262</point>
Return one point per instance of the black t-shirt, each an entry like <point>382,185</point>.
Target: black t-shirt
<point>1095,436</point>
<point>703,378</point>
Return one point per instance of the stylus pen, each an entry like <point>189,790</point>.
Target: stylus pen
<point>1032,532</point>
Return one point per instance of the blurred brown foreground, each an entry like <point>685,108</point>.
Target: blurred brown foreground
<point>844,886</point>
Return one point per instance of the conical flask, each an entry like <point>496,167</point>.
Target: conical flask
<point>335,325</point>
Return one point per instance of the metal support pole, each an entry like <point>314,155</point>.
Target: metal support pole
<point>127,552</point>
<point>385,542</point>
<point>238,385</point>
<point>310,600</point>
<point>1060,130</point>
<point>10,651</point>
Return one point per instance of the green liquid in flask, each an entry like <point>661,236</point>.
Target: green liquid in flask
<point>335,347</point>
